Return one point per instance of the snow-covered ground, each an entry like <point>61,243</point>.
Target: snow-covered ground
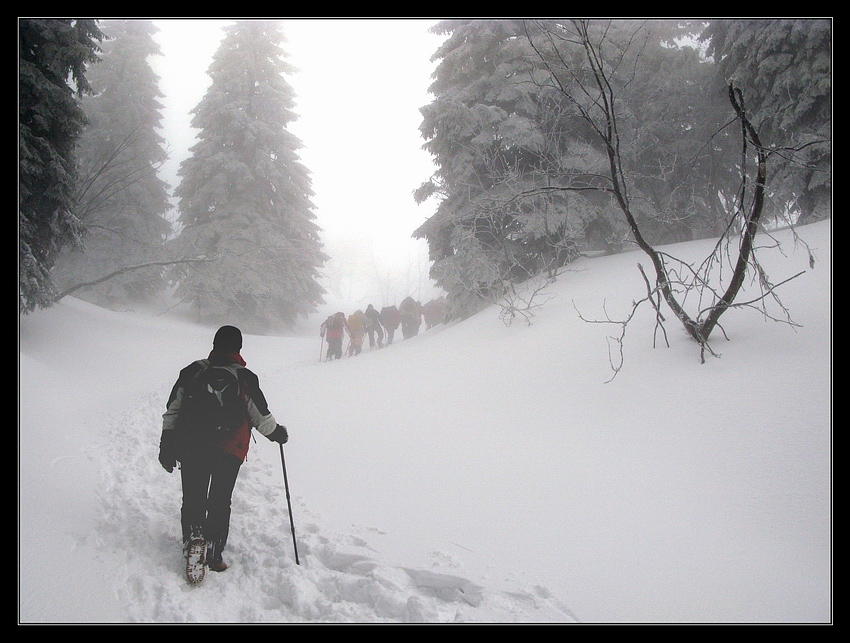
<point>476,473</point>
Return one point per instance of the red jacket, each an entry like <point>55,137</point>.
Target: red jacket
<point>335,332</point>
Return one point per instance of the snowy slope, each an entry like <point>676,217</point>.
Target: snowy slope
<point>476,473</point>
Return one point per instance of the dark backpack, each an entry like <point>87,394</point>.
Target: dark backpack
<point>212,401</point>
<point>334,322</point>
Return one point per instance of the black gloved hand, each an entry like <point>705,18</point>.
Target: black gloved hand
<point>279,434</point>
<point>168,450</point>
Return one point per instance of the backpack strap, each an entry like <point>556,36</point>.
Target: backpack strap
<point>203,365</point>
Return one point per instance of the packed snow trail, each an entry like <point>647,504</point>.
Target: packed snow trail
<point>340,578</point>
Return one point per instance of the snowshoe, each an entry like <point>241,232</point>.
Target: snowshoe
<point>195,553</point>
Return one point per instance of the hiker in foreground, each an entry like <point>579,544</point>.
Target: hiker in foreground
<point>207,429</point>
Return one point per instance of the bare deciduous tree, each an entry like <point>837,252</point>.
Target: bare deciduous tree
<point>590,87</point>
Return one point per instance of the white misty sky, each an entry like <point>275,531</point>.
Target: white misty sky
<point>359,87</point>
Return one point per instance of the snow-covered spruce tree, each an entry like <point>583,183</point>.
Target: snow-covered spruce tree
<point>521,173</point>
<point>493,136</point>
<point>120,199</point>
<point>52,59</point>
<point>244,195</point>
<point>784,68</point>
<point>671,104</point>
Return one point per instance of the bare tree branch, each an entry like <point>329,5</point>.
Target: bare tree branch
<point>126,269</point>
<point>591,91</point>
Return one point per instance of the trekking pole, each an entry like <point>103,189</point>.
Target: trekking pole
<point>321,348</point>
<point>289,504</point>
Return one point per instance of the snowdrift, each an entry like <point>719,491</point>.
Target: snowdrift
<point>477,473</point>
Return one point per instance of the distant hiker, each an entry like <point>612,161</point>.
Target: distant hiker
<point>211,444</point>
<point>373,326</point>
<point>434,312</point>
<point>390,320</point>
<point>411,317</point>
<point>357,328</point>
<point>334,327</point>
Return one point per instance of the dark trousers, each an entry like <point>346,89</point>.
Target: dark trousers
<point>208,482</point>
<point>376,330</point>
<point>334,348</point>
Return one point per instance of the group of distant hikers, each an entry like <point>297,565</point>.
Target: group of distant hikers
<point>409,315</point>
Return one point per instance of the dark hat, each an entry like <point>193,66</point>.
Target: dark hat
<point>228,338</point>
